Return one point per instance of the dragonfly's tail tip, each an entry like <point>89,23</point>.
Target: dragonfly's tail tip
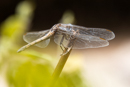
<point>19,51</point>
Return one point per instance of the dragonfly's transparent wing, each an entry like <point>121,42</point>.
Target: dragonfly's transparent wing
<point>99,32</point>
<point>91,42</point>
<point>32,36</point>
<point>87,41</point>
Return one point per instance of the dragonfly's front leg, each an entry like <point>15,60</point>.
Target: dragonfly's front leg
<point>61,44</point>
<point>69,46</point>
<point>67,50</point>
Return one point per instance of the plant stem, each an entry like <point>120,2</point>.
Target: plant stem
<point>58,68</point>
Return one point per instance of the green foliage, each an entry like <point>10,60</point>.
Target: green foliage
<point>70,80</point>
<point>29,74</point>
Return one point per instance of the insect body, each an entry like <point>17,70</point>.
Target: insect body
<point>70,36</point>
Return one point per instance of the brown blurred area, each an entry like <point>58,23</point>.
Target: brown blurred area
<point>111,14</point>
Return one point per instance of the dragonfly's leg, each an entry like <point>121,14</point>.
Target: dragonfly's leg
<point>61,44</point>
<point>66,51</point>
<point>70,45</point>
<point>61,47</point>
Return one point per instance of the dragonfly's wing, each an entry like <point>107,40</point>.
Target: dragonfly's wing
<point>90,42</point>
<point>32,36</point>
<point>87,41</point>
<point>99,32</point>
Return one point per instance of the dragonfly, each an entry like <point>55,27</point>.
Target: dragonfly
<point>69,36</point>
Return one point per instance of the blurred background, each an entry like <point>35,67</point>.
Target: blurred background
<point>98,67</point>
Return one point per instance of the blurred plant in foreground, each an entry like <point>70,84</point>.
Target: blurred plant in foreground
<point>27,69</point>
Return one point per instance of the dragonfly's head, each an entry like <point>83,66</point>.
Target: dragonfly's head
<point>65,27</point>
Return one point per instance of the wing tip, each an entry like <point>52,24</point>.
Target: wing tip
<point>108,30</point>
<point>112,36</point>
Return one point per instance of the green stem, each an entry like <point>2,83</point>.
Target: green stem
<point>58,68</point>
